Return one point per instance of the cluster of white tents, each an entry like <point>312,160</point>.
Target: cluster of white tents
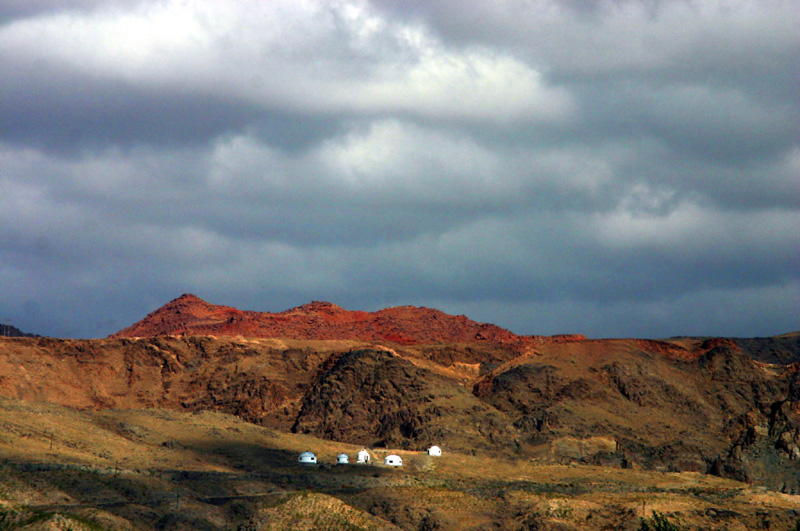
<point>363,458</point>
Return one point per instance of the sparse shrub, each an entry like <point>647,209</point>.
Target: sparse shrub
<point>428,523</point>
<point>660,522</point>
<point>86,523</point>
<point>559,512</point>
<point>532,522</point>
<point>15,518</point>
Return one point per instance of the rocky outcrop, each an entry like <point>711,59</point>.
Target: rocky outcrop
<point>782,350</point>
<point>376,398</point>
<point>368,396</point>
<point>766,447</point>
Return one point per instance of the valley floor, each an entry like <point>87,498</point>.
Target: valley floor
<point>155,469</point>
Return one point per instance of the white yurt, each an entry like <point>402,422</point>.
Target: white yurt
<point>342,459</point>
<point>435,451</point>
<point>307,458</point>
<point>363,457</point>
<point>393,460</point>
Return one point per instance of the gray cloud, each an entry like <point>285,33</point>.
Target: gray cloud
<point>629,169</point>
<point>12,10</point>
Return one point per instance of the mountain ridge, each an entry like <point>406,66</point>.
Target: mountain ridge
<point>320,320</point>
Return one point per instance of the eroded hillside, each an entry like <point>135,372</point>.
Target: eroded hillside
<point>702,406</point>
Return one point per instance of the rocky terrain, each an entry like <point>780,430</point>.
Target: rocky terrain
<point>190,315</point>
<point>405,378</point>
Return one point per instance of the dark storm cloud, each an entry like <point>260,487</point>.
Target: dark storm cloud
<point>58,109</point>
<point>628,168</point>
<point>712,79</point>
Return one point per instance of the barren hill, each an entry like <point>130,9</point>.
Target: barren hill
<point>408,325</point>
<point>399,380</point>
<point>161,470</point>
<point>701,406</point>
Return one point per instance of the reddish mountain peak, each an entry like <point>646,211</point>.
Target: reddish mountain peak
<point>319,320</point>
<point>188,298</point>
<point>183,315</point>
<point>413,311</point>
<point>317,307</point>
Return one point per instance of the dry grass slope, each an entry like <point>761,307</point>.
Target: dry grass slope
<point>164,470</point>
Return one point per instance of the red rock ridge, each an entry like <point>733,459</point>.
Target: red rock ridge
<point>190,315</point>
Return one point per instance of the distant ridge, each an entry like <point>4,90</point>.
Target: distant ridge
<point>7,330</point>
<point>191,315</point>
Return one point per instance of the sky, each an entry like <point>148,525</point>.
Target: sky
<point>618,168</point>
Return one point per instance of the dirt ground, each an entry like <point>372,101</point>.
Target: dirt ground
<point>155,469</point>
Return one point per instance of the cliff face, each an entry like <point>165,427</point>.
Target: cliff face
<point>377,398</point>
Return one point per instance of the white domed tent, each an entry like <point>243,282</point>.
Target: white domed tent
<point>307,458</point>
<point>393,460</point>
<point>435,451</point>
<point>342,459</point>
<point>363,457</point>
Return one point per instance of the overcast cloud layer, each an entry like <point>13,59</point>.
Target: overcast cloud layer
<point>617,168</point>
